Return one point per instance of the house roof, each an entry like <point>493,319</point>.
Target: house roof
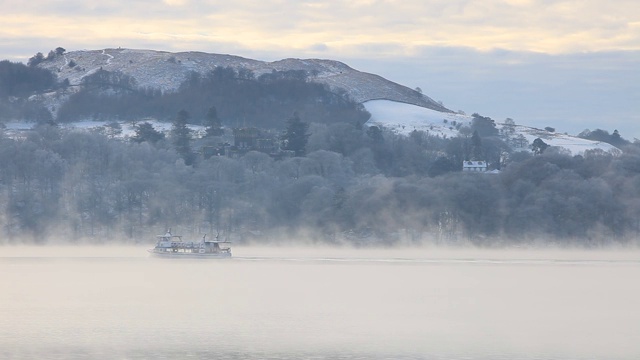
<point>473,163</point>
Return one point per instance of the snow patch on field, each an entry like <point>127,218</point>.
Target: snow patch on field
<point>403,118</point>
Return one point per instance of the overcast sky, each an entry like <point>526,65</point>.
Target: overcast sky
<point>572,65</point>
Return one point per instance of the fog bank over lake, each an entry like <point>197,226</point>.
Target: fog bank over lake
<point>288,303</point>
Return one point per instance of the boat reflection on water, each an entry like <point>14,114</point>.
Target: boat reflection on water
<point>172,246</point>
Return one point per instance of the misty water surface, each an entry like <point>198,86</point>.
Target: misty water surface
<point>281,303</point>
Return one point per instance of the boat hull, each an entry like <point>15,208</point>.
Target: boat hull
<point>188,255</point>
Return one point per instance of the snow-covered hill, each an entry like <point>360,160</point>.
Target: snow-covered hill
<point>391,105</point>
<point>166,71</point>
<point>404,118</point>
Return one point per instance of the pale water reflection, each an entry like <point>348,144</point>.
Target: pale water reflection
<point>280,303</point>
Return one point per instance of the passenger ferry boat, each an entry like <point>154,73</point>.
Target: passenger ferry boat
<point>172,246</point>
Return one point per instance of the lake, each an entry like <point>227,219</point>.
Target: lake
<point>319,303</point>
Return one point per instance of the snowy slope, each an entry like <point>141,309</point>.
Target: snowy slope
<point>167,71</point>
<point>403,118</point>
<point>573,144</point>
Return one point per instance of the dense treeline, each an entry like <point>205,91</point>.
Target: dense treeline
<point>241,99</point>
<point>359,185</point>
<point>602,135</point>
<point>17,83</point>
<point>17,79</point>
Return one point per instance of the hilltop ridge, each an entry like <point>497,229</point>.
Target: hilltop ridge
<point>167,71</point>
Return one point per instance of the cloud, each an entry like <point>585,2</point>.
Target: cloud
<point>319,47</point>
<point>175,2</point>
<point>523,25</point>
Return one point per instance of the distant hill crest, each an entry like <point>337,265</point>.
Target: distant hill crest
<point>166,71</point>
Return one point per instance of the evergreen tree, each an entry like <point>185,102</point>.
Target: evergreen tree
<point>539,146</point>
<point>442,165</point>
<point>36,59</point>
<point>617,140</point>
<point>476,147</point>
<point>213,124</point>
<point>295,136</point>
<point>146,132</point>
<point>181,137</point>
<point>484,125</point>
<point>381,154</point>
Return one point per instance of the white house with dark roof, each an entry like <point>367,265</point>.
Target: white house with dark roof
<point>474,166</point>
